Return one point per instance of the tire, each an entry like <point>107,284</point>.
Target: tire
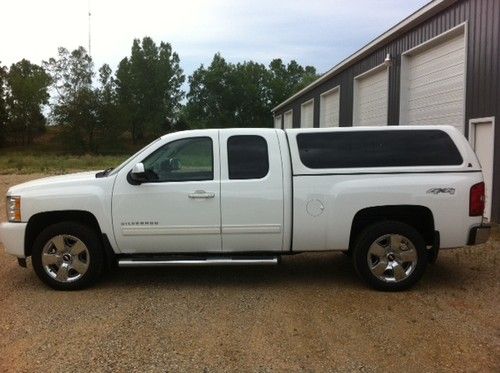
<point>390,256</point>
<point>68,256</point>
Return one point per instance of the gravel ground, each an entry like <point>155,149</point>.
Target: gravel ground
<point>309,314</point>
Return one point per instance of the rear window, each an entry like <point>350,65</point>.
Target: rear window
<point>247,157</point>
<point>377,149</point>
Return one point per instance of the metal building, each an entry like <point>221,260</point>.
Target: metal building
<point>440,65</point>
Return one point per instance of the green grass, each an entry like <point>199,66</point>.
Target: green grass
<point>28,163</point>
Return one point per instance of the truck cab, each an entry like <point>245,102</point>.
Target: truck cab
<point>210,191</point>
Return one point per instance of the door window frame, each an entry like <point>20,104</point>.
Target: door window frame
<point>181,181</point>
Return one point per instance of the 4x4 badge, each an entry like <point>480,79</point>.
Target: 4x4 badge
<point>441,190</point>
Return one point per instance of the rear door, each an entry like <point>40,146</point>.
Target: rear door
<point>251,191</point>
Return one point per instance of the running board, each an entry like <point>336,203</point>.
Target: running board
<point>165,262</point>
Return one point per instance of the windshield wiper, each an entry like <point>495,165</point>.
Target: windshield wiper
<point>104,173</point>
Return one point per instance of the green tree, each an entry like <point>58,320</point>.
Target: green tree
<point>3,105</point>
<point>27,93</point>
<point>242,94</point>
<point>228,95</point>
<point>76,102</point>
<point>285,80</point>
<point>209,100</point>
<point>109,119</point>
<point>149,88</point>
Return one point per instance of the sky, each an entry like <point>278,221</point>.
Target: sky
<point>317,33</point>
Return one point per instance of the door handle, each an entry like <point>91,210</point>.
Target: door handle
<point>201,194</point>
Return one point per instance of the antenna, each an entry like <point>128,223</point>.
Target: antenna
<point>90,53</point>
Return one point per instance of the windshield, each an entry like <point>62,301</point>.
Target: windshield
<point>117,169</point>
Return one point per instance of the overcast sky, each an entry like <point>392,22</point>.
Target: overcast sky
<point>318,33</point>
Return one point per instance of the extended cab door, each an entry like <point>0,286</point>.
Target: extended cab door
<point>178,209</point>
<point>251,190</point>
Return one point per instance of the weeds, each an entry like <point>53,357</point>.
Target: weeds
<point>26,163</point>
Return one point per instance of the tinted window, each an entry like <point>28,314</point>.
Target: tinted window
<point>377,149</point>
<point>248,157</point>
<point>181,160</point>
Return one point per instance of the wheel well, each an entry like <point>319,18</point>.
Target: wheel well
<point>419,217</point>
<point>37,223</point>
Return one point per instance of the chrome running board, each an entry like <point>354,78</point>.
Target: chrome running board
<point>165,262</point>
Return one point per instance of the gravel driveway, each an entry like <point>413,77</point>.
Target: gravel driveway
<point>311,313</point>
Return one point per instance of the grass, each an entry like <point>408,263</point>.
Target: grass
<point>27,163</point>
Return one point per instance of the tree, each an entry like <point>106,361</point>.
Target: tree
<point>3,105</point>
<point>149,88</point>
<point>242,94</point>
<point>26,94</point>
<point>284,81</point>
<point>75,106</point>
<point>228,95</point>
<point>109,119</point>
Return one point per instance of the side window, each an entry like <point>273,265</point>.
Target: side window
<point>247,157</point>
<point>181,160</point>
<point>388,148</point>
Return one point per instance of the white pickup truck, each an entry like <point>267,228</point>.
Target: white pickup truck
<point>388,196</point>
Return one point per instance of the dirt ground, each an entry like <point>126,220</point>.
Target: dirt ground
<point>311,313</point>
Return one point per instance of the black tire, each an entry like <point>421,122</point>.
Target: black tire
<point>94,256</point>
<point>370,236</point>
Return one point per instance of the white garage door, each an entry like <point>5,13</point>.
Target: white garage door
<point>329,108</point>
<point>482,137</point>
<point>288,119</point>
<point>434,85</point>
<point>307,114</point>
<point>277,121</point>
<point>370,98</point>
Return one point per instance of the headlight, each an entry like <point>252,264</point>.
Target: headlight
<point>14,208</point>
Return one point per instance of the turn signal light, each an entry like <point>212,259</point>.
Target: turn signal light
<point>14,208</point>
<point>476,201</point>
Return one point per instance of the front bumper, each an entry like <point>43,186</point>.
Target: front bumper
<point>479,234</point>
<point>12,238</point>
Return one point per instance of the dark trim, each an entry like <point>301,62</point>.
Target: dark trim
<point>390,173</point>
<point>433,252</point>
<point>109,254</point>
<point>22,262</point>
<point>292,189</point>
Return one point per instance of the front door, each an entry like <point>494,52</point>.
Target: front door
<point>178,209</point>
<point>482,137</point>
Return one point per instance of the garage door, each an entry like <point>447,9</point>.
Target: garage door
<point>370,98</point>
<point>434,85</point>
<point>307,114</point>
<point>277,121</point>
<point>288,119</point>
<point>329,108</point>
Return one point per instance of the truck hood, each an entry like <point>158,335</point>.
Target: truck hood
<point>54,181</point>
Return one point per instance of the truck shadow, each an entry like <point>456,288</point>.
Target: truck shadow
<point>329,270</point>
<point>299,269</point>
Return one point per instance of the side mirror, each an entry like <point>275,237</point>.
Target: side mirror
<point>138,175</point>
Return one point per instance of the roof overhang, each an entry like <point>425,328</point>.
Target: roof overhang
<point>394,32</point>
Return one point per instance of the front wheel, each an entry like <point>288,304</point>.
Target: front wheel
<point>390,256</point>
<point>68,256</point>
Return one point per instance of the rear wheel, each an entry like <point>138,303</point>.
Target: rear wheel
<point>68,256</point>
<point>390,256</point>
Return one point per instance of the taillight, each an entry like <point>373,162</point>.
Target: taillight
<point>476,201</point>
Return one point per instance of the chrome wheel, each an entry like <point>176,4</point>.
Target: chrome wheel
<point>65,258</point>
<point>392,258</point>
